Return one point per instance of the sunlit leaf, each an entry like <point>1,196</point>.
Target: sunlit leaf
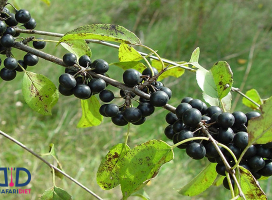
<point>219,181</point>
<point>128,53</point>
<point>249,186</point>
<point>47,2</point>
<point>56,193</point>
<point>174,71</point>
<point>90,113</point>
<point>130,65</point>
<point>143,163</point>
<point>105,32</point>
<point>39,92</point>
<point>201,182</point>
<point>108,172</point>
<point>254,95</point>
<point>260,128</point>
<point>77,47</point>
<point>195,56</point>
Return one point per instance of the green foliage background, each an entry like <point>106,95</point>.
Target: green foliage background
<point>224,30</point>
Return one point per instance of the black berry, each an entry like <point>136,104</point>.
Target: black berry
<point>131,77</point>
<point>82,91</point>
<point>22,16</point>
<point>159,98</point>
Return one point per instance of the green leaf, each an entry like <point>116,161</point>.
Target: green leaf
<point>107,175</point>
<point>39,92</point>
<point>56,193</point>
<point>143,163</point>
<point>128,53</point>
<point>142,194</point>
<point>226,101</point>
<point>130,65</point>
<point>217,82</point>
<point>254,95</point>
<point>219,181</point>
<point>52,152</point>
<point>90,113</point>
<point>47,2</point>
<point>77,47</point>
<point>223,78</point>
<point>175,71</point>
<point>201,182</point>
<point>195,56</point>
<point>105,32</point>
<point>260,128</point>
<point>249,186</point>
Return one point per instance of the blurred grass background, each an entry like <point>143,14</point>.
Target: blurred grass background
<point>224,30</point>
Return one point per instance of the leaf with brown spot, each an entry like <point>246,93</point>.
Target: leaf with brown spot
<point>142,163</point>
<point>260,128</point>
<point>39,92</point>
<point>107,175</point>
<point>249,186</point>
<point>105,32</point>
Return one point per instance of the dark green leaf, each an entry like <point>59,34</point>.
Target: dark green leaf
<point>105,32</point>
<point>108,172</point>
<point>249,186</point>
<point>77,47</point>
<point>260,128</point>
<point>143,163</point>
<point>254,95</point>
<point>128,53</point>
<point>201,182</point>
<point>90,113</point>
<point>39,92</point>
<point>130,65</point>
<point>56,193</point>
<point>174,71</point>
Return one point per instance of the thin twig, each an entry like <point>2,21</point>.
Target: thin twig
<point>241,93</point>
<point>50,165</point>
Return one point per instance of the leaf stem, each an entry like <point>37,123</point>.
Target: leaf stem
<point>126,140</point>
<point>47,163</point>
<point>229,150</point>
<point>187,140</point>
<point>242,94</point>
<point>53,177</point>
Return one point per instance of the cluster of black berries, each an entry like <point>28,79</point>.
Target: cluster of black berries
<point>77,81</point>
<point>124,114</point>
<point>8,33</point>
<point>226,128</point>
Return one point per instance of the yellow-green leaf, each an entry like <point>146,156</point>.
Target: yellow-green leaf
<point>260,128</point>
<point>254,95</point>
<point>105,32</point>
<point>195,56</point>
<point>47,2</point>
<point>201,182</point>
<point>56,193</point>
<point>90,113</point>
<point>174,71</point>
<point>128,53</point>
<point>77,47</point>
<point>249,186</point>
<point>130,65</point>
<point>39,92</point>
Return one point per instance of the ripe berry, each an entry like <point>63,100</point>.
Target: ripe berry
<point>196,150</point>
<point>236,151</point>
<point>240,118</point>
<point>11,21</point>
<point>211,150</point>
<point>39,44</point>
<point>119,120</point>
<point>178,126</point>
<point>196,103</point>
<point>131,77</point>
<point>186,99</point>
<point>10,63</point>
<point>221,169</point>
<point>268,145</point>
<point>225,136</point>
<point>241,139</point>
<point>251,151</point>
<point>82,91</point>
<point>22,16</point>
<point>146,108</point>
<point>181,108</point>
<point>171,118</point>
<point>212,110</point>
<point>148,72</point>
<point>263,152</point>
<point>106,96</point>
<point>68,81</point>
<point>267,169</point>
<point>10,30</point>
<point>169,132</point>
<point>256,163</point>
<point>21,64</point>
<point>191,117</point>
<point>84,61</point>
<point>159,98</point>
<point>111,110</point>
<point>167,91</point>
<point>158,84</point>
<point>7,40</point>
<point>64,91</point>
<point>71,71</point>
<point>7,74</point>
<point>251,115</point>
<point>31,59</point>
<point>97,85</point>
<point>102,109</point>
<point>141,121</point>
<point>100,66</point>
<point>69,59</point>
<point>225,120</point>
<point>3,27</point>
<point>31,24</point>
<point>183,135</point>
<point>226,183</point>
<point>132,114</point>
